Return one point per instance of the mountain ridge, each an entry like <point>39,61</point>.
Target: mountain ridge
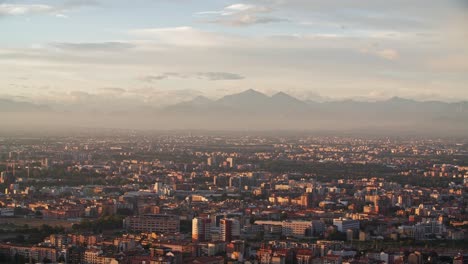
<point>251,93</point>
<point>252,110</point>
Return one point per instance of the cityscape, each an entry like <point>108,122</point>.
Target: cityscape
<point>201,197</point>
<point>233,132</point>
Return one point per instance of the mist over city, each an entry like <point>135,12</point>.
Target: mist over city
<point>234,132</point>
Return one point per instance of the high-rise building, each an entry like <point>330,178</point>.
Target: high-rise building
<point>229,229</point>
<point>211,161</point>
<point>7,177</point>
<point>157,187</point>
<point>306,200</point>
<point>231,162</point>
<point>45,163</point>
<point>201,229</point>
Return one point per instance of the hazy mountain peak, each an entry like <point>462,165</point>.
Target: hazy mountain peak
<point>397,99</point>
<point>282,97</point>
<point>201,100</point>
<point>248,95</point>
<point>7,105</point>
<point>251,92</point>
<point>281,94</point>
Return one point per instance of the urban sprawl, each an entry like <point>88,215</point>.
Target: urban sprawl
<point>173,198</point>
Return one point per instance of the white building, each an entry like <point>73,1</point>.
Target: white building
<point>344,224</point>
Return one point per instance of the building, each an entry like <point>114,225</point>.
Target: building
<point>306,200</point>
<point>229,229</point>
<point>201,229</point>
<point>415,258</point>
<point>157,223</point>
<point>59,241</point>
<point>157,187</point>
<point>428,229</point>
<point>211,161</point>
<point>206,260</point>
<point>91,255</point>
<point>231,162</point>
<point>304,256</point>
<point>75,255</point>
<point>460,259</point>
<point>344,224</point>
<point>7,177</point>
<point>44,254</point>
<point>296,228</point>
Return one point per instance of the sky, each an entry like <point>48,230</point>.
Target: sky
<point>119,53</point>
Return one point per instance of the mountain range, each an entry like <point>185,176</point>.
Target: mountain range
<point>257,102</point>
<point>7,105</point>
<point>250,100</point>
<point>253,110</point>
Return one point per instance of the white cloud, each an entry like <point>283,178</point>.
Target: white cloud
<point>180,36</point>
<point>239,7</point>
<point>241,14</point>
<point>24,9</point>
<point>389,54</point>
<point>61,16</point>
<point>43,9</point>
<point>310,59</point>
<point>94,46</point>
<point>211,76</point>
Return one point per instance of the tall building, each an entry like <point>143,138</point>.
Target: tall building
<point>201,229</point>
<point>306,200</point>
<point>157,187</point>
<point>211,161</point>
<point>45,163</point>
<point>7,177</point>
<point>231,162</point>
<point>229,229</point>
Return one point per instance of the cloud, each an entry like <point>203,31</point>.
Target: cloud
<point>211,76</point>
<point>309,58</point>
<point>249,19</point>
<point>94,46</point>
<point>241,15</point>
<point>180,36</point>
<point>80,3</point>
<point>43,9</point>
<point>387,54</point>
<point>112,98</point>
<point>163,76</point>
<point>397,15</point>
<point>112,90</point>
<point>450,63</point>
<point>237,8</point>
<point>218,76</point>
<point>25,9</point>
